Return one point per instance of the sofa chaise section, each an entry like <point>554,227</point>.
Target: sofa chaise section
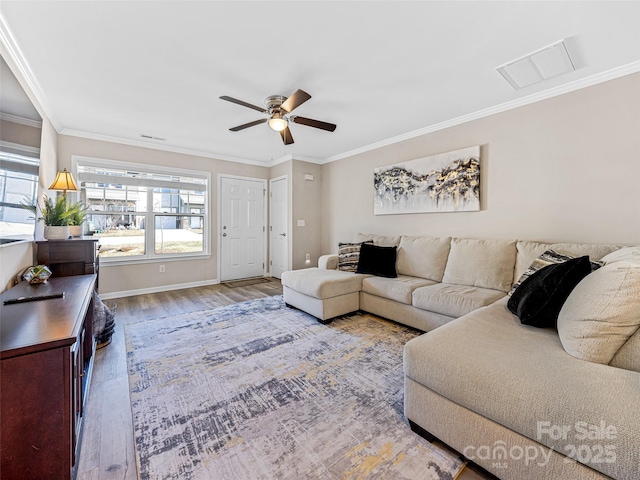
<point>513,388</point>
<point>512,385</point>
<point>325,294</point>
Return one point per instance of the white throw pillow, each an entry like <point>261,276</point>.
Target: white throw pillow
<point>601,313</point>
<point>626,254</point>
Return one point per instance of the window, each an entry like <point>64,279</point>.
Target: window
<point>18,187</point>
<point>145,212</point>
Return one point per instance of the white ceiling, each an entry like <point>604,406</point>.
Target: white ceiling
<point>379,70</point>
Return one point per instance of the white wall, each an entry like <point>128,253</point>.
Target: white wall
<point>307,206</point>
<point>563,169</point>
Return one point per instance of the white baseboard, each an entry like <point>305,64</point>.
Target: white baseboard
<point>162,288</point>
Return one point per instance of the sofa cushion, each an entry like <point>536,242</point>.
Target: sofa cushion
<point>521,377</point>
<point>601,313</point>
<point>377,260</point>
<point>382,240</point>
<point>424,257</point>
<point>320,283</point>
<point>595,252</point>
<point>481,263</point>
<point>453,300</point>
<point>348,256</point>
<point>398,289</point>
<point>527,252</point>
<point>538,300</point>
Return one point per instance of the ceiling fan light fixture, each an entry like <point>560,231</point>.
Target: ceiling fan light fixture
<point>277,122</point>
<point>278,107</point>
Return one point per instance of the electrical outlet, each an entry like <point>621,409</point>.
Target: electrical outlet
<point>308,257</point>
<point>161,268</point>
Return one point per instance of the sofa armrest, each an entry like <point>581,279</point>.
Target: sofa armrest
<point>328,262</point>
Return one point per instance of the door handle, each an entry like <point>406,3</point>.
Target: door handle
<point>283,234</point>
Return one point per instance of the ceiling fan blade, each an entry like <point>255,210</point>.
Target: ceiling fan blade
<point>247,125</point>
<point>310,122</point>
<point>244,104</point>
<point>295,100</point>
<point>287,138</point>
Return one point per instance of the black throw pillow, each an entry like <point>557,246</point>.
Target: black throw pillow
<point>376,260</point>
<point>538,300</point>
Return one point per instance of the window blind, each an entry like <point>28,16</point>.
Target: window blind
<point>140,177</point>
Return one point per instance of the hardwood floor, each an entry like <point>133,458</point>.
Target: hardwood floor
<point>107,451</point>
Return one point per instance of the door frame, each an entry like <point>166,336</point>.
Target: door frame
<point>218,242</point>
<point>289,222</point>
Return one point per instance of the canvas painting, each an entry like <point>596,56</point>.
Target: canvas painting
<point>448,182</point>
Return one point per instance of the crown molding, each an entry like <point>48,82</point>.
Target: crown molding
<point>20,120</point>
<point>186,151</point>
<point>17,58</point>
<point>278,161</point>
<point>165,148</point>
<point>602,77</point>
<point>289,157</point>
<point>304,158</point>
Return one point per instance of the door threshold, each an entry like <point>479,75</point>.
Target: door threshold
<point>245,282</point>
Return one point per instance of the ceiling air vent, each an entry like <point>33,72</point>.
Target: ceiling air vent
<point>151,137</point>
<point>538,66</point>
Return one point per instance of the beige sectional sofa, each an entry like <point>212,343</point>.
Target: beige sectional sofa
<point>512,398</point>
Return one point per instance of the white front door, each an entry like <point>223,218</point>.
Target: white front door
<point>242,228</point>
<point>278,230</point>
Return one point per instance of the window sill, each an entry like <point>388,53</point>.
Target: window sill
<point>9,242</point>
<point>106,262</point>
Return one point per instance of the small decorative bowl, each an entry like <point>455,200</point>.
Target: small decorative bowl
<point>37,274</point>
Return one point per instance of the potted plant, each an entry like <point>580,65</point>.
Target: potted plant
<point>77,214</point>
<point>55,215</point>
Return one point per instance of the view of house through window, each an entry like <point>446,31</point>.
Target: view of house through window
<point>141,213</point>
<point>18,187</point>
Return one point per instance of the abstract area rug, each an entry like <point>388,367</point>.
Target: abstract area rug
<point>257,390</point>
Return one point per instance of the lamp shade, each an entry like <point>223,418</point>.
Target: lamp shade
<point>64,181</point>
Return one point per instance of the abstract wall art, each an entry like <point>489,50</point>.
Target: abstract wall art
<point>448,182</point>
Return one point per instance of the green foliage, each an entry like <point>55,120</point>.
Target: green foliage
<point>55,213</point>
<point>59,212</point>
<point>77,212</point>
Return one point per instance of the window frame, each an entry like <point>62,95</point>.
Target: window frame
<point>150,256</point>
<point>16,159</point>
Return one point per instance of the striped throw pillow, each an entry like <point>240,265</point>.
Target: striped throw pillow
<point>348,255</point>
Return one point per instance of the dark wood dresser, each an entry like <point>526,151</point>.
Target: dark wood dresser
<point>77,256</point>
<point>46,359</point>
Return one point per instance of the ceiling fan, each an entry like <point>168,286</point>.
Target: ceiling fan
<point>278,110</point>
